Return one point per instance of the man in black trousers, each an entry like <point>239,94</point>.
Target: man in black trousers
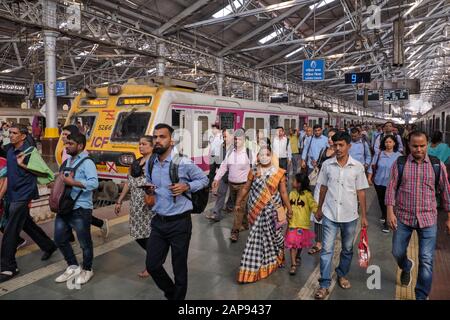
<point>171,225</point>
<point>22,188</point>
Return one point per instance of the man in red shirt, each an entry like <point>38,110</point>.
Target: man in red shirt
<point>414,199</point>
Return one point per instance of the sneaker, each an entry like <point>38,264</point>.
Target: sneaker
<point>22,243</point>
<point>385,229</point>
<point>105,229</point>
<point>382,220</point>
<point>84,276</point>
<point>405,277</point>
<point>70,273</point>
<point>7,275</point>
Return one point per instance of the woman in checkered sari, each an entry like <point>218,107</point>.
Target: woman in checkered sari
<point>264,250</point>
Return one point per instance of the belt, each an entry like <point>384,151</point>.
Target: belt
<point>238,183</point>
<point>174,217</point>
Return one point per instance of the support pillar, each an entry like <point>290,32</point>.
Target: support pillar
<point>51,134</point>
<point>161,61</point>
<point>256,86</point>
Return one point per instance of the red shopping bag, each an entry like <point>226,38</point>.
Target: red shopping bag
<point>363,249</point>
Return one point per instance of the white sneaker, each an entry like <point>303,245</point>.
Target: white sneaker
<point>105,228</point>
<point>84,276</point>
<point>71,272</point>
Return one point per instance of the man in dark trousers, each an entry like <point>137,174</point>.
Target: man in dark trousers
<point>22,188</point>
<point>171,225</point>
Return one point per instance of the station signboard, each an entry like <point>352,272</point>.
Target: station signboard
<point>396,95</point>
<point>314,70</point>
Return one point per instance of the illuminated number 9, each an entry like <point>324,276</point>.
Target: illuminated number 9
<point>353,78</point>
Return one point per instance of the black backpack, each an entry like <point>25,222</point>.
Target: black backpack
<point>435,162</point>
<point>66,203</point>
<point>199,199</point>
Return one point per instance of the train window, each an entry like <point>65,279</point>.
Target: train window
<point>320,122</point>
<point>249,123</point>
<point>287,124</point>
<point>85,123</point>
<point>436,124</point>
<point>302,121</point>
<point>175,118</point>
<point>130,126</point>
<point>447,124</point>
<point>274,122</point>
<point>24,121</point>
<point>12,120</point>
<point>202,128</point>
<point>310,123</point>
<point>259,123</point>
<point>443,121</point>
<point>293,124</point>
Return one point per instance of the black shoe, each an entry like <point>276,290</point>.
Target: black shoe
<point>7,275</point>
<point>405,277</point>
<point>47,254</point>
<point>72,238</point>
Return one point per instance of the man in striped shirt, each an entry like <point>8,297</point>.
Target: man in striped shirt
<point>416,209</point>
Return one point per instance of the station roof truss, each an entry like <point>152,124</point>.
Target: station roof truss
<point>248,41</point>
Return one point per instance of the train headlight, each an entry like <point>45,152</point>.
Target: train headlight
<point>126,159</point>
<point>114,89</point>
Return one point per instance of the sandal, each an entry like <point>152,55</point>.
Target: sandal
<point>321,293</point>
<point>314,250</point>
<point>344,283</point>
<point>293,270</point>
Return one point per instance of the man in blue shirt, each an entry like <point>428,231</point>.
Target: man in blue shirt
<point>22,188</point>
<point>83,182</point>
<point>171,225</point>
<point>360,150</point>
<point>313,147</point>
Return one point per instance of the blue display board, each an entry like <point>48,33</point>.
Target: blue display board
<point>39,90</point>
<point>61,88</point>
<point>313,70</point>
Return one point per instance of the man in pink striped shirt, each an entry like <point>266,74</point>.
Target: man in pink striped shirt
<point>414,199</point>
<point>238,164</point>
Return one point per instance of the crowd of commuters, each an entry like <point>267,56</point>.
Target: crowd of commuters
<point>293,190</point>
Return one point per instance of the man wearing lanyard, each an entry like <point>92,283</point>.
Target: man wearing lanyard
<point>215,145</point>
<point>171,225</point>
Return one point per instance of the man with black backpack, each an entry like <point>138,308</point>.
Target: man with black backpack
<point>75,209</point>
<point>412,190</point>
<point>180,188</point>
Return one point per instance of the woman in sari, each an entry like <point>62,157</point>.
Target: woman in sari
<point>264,249</point>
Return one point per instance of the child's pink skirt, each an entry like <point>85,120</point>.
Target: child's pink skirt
<point>297,238</point>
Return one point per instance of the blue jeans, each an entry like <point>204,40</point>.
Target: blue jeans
<point>427,244</point>
<point>80,221</point>
<point>330,230</point>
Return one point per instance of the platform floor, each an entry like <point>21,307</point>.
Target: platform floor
<point>213,265</point>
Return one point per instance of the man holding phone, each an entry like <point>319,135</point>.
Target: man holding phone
<point>171,226</point>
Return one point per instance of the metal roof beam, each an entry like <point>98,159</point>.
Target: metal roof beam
<point>252,12</point>
<point>181,16</point>
<point>258,30</point>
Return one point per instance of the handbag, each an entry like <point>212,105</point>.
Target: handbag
<point>313,176</point>
<point>363,249</point>
<point>37,164</point>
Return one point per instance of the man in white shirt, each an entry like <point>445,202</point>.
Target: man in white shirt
<point>215,149</point>
<point>281,148</point>
<point>342,181</point>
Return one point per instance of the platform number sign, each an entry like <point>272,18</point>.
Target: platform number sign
<point>39,90</point>
<point>357,77</point>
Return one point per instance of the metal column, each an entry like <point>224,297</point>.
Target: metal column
<point>51,134</point>
<point>256,86</point>
<point>161,61</point>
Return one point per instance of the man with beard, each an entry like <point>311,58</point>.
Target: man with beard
<point>171,225</point>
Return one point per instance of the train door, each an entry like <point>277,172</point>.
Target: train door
<point>179,124</point>
<point>274,123</point>
<point>447,129</point>
<point>201,122</point>
<point>228,120</point>
<point>301,121</point>
<point>443,122</point>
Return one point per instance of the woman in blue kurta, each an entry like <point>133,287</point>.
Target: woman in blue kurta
<point>438,148</point>
<point>380,171</point>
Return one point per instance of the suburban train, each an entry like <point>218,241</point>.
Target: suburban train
<point>114,117</point>
<point>436,119</point>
